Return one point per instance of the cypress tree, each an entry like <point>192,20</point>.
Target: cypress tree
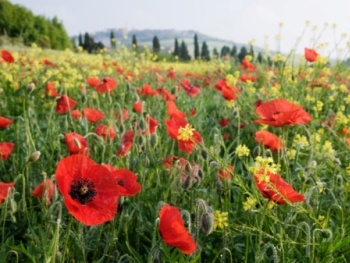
<point>225,50</point>
<point>205,55</point>
<point>176,48</point>
<point>134,42</point>
<point>233,52</point>
<point>215,53</point>
<point>113,41</point>
<point>80,40</point>
<point>184,51</point>
<point>242,53</point>
<point>196,47</point>
<point>156,44</point>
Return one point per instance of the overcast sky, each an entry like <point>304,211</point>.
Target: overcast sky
<point>239,21</point>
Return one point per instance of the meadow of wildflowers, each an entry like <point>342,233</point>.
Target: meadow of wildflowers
<point>117,158</point>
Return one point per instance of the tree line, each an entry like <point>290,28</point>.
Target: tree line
<point>180,50</point>
<point>17,22</point>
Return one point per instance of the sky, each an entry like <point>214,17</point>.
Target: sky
<point>239,21</point>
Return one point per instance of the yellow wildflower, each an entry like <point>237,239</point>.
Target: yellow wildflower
<point>221,219</point>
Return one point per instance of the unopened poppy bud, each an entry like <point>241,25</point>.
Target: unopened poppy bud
<point>142,125</point>
<point>34,156</point>
<point>204,154</point>
<point>207,223</point>
<point>31,87</point>
<point>153,141</point>
<point>187,183</point>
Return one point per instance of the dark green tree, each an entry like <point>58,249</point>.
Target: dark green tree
<point>260,58</point>
<point>215,53</point>
<point>155,45</point>
<point>176,48</point>
<point>19,23</point>
<point>113,41</point>
<point>205,54</point>
<point>233,52</point>
<point>80,40</point>
<point>242,53</point>
<point>225,51</point>
<point>134,42</point>
<point>196,47</point>
<point>184,55</point>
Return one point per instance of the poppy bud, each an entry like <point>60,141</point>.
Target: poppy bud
<point>142,125</point>
<point>204,154</point>
<point>34,156</point>
<point>207,223</point>
<point>31,87</point>
<point>153,141</point>
<point>187,183</point>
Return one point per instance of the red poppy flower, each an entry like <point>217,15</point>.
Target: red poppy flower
<point>224,122</point>
<point>65,104</point>
<point>105,132</point>
<point>347,140</point>
<point>76,114</point>
<point>138,106</point>
<point>173,231</point>
<point>228,93</point>
<point>171,74</point>
<point>193,111</point>
<point>171,160</point>
<point>182,131</point>
<point>272,186</point>
<point>107,84</point>
<point>226,174</point>
<point>146,90</point>
<point>280,112</point>
<point>127,141</point>
<point>93,115</point>
<point>248,65</point>
<point>7,56</point>
<point>310,54</point>
<point>93,82</point>
<point>4,122</point>
<point>47,62</point>
<point>127,182</point>
<point>191,90</point>
<point>44,190</point>
<point>4,188</point>
<point>50,90</point>
<point>6,149</point>
<point>76,143</point>
<point>269,140</point>
<point>151,128</point>
<point>90,191</point>
<point>173,111</point>
<point>166,95</point>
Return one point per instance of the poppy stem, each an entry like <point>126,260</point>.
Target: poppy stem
<point>153,244</point>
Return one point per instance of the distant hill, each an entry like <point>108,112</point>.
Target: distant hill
<point>166,38</point>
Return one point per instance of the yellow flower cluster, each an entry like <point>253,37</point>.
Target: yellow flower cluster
<point>301,141</point>
<point>266,164</point>
<point>249,203</point>
<point>242,150</point>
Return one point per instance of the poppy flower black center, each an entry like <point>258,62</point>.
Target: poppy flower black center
<point>120,182</point>
<point>83,191</point>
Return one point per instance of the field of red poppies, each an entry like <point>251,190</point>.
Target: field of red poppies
<point>116,158</point>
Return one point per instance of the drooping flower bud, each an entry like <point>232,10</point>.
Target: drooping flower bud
<point>34,156</point>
